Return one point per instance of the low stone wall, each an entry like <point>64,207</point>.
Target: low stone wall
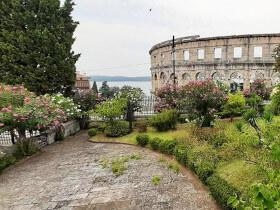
<point>45,138</point>
<point>70,127</point>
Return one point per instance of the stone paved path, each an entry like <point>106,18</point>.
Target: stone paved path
<point>69,175</point>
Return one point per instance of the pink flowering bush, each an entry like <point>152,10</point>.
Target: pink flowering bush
<point>200,100</point>
<point>258,87</point>
<point>203,100</point>
<point>87,100</point>
<point>31,112</point>
<point>168,97</point>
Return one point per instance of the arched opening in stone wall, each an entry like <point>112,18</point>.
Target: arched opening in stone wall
<point>275,78</point>
<point>236,82</point>
<point>172,79</point>
<point>155,76</point>
<point>163,78</point>
<point>256,75</point>
<point>218,77</point>
<point>200,76</point>
<point>186,78</point>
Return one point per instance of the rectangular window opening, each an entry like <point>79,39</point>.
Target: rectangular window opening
<point>257,52</point>
<point>186,55</point>
<point>237,52</point>
<point>200,54</point>
<point>218,53</point>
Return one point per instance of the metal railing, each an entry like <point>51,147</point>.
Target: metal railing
<point>7,139</point>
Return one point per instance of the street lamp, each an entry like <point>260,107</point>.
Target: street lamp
<point>173,60</point>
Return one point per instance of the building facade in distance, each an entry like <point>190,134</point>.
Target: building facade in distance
<point>82,82</point>
<point>234,60</point>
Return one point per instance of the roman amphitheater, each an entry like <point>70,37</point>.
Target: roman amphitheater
<point>234,60</point>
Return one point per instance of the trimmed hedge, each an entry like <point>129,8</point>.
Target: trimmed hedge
<point>165,121</point>
<point>142,139</point>
<point>119,128</point>
<point>154,142</point>
<point>92,132</point>
<point>168,146</point>
<point>205,170</point>
<point>181,154</point>
<point>221,190</point>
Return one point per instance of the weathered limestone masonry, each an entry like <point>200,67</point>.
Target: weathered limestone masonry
<point>234,60</point>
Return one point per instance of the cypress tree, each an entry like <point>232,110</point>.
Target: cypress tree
<point>36,38</point>
<point>94,87</point>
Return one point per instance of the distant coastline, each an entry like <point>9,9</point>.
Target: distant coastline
<point>119,79</point>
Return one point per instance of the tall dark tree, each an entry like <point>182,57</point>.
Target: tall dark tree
<point>277,58</point>
<point>36,38</point>
<point>104,90</point>
<point>94,87</point>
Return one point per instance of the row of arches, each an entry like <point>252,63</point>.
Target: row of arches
<point>235,78</point>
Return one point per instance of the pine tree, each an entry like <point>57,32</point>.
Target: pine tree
<point>36,38</point>
<point>94,87</point>
<point>105,90</point>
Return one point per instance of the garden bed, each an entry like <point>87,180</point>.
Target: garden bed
<point>222,157</point>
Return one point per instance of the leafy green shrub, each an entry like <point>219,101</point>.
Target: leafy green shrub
<point>205,170</point>
<point>181,154</point>
<point>94,125</point>
<point>142,139</point>
<point>6,162</point>
<point>25,148</point>
<point>102,127</point>
<point>168,146</point>
<point>235,105</point>
<point>141,126</point>
<point>119,128</point>
<point>92,132</point>
<point>154,142</point>
<point>165,121</point>
<point>250,115</point>
<point>218,139</point>
<point>182,119</point>
<point>221,190</point>
<point>255,102</point>
<point>275,103</point>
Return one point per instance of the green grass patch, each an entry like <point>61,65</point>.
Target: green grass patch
<point>239,174</point>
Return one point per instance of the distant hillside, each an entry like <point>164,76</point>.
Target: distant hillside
<point>119,79</point>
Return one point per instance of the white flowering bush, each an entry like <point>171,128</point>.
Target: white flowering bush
<point>71,109</point>
<point>132,95</point>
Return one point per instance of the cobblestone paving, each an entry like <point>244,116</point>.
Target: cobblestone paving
<point>69,175</point>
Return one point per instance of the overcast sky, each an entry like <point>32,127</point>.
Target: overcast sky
<point>116,33</point>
